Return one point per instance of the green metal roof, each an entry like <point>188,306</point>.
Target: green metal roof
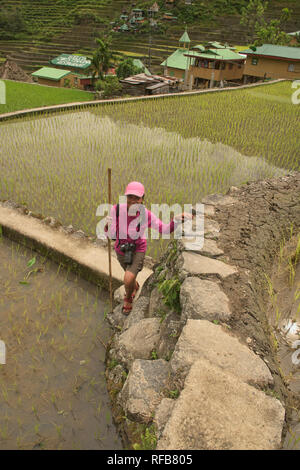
<point>51,73</point>
<point>69,60</point>
<point>283,52</point>
<point>185,38</point>
<point>217,54</point>
<point>177,60</point>
<point>138,63</point>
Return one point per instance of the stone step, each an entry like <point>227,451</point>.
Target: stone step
<point>218,411</point>
<point>201,339</point>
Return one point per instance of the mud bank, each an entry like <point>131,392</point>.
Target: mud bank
<point>194,365</point>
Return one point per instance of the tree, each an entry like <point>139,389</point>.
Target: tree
<point>102,57</point>
<point>126,68</point>
<point>253,16</point>
<point>260,31</point>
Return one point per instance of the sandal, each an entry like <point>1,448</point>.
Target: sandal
<point>137,286</point>
<point>127,305</point>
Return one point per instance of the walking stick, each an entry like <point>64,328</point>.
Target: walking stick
<point>109,246</point>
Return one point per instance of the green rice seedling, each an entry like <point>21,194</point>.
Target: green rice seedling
<point>160,140</point>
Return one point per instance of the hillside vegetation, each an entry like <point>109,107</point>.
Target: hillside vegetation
<point>34,31</point>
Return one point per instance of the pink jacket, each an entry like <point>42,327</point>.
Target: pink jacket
<point>127,229</point>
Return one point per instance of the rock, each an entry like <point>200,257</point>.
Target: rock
<point>119,294</point>
<point>203,299</point>
<point>162,414</point>
<point>170,331</point>
<point>138,312</point>
<point>78,234</point>
<point>204,247</point>
<point>201,339</point>
<point>117,374</point>
<point>116,319</point>
<point>218,200</point>
<point>193,264</point>
<point>217,411</point>
<point>142,391</point>
<point>138,341</point>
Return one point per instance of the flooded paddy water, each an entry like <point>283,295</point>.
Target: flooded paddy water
<point>52,388</point>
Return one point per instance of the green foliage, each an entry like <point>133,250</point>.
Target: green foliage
<point>126,68</point>
<point>110,86</point>
<point>170,289</point>
<point>253,17</point>
<point>11,22</point>
<point>174,394</point>
<point>148,439</point>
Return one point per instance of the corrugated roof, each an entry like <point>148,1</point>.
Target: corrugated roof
<point>51,73</point>
<point>177,60</point>
<point>70,60</point>
<point>217,54</point>
<point>283,52</point>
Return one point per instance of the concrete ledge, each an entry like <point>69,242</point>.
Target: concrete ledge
<point>80,255</point>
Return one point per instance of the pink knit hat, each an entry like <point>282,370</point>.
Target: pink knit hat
<point>135,188</point>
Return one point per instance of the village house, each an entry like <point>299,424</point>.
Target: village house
<point>153,11</point>
<point>272,61</point>
<point>73,62</point>
<point>54,77</point>
<point>79,66</point>
<point>176,64</point>
<point>213,64</point>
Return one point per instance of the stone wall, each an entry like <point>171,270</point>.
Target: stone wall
<point>193,363</point>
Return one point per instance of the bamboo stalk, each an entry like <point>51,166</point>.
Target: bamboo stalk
<point>109,246</point>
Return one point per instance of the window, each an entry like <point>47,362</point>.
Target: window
<point>254,61</point>
<point>230,66</point>
<point>291,67</point>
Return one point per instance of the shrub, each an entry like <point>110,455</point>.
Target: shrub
<point>110,86</point>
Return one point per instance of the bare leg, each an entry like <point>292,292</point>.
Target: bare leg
<point>129,281</point>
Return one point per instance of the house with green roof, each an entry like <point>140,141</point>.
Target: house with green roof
<point>210,66</point>
<point>73,62</point>
<point>51,76</point>
<point>272,61</point>
<point>176,64</point>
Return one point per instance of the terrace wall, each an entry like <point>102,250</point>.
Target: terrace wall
<point>243,231</point>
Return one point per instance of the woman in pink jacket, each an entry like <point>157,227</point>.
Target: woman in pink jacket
<point>128,224</point>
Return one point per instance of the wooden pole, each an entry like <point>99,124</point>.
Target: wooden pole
<point>109,246</point>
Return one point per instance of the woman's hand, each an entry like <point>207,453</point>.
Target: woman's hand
<point>184,216</point>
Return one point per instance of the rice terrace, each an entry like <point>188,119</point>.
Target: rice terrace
<point>74,356</point>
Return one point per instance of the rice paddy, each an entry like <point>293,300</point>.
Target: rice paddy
<point>52,387</point>
<point>27,96</point>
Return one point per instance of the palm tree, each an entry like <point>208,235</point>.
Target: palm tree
<point>102,57</point>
